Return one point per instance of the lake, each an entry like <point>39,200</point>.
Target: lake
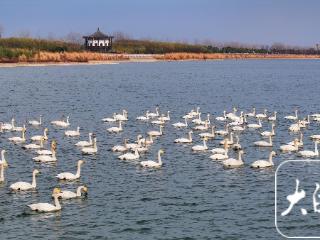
<point>191,196</point>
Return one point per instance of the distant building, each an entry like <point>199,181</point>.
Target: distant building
<point>98,42</point>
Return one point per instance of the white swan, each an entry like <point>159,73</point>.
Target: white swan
<point>220,155</point>
<point>153,164</point>
<point>153,114</point>
<point>299,141</point>
<point>36,123</point>
<point>130,156</point>
<point>220,150</point>
<point>48,152</point>
<point>228,141</point>
<point>61,123</point>
<point>197,120</point>
<point>269,133</point>
<point>232,114</point>
<point>251,114</point>
<point>202,127</point>
<point>205,121</point>
<point>231,162</point>
<point>34,146</point>
<point>156,133</point>
<point>254,125</point>
<point>25,186</point>
<point>17,129</point>
<point>116,129</point>
<point>73,133</point>
<point>291,117</point>
<point>290,147</point>
<point>200,148</point>
<point>65,195</point>
<point>238,128</point>
<point>8,126</point>
<point>264,143</point>
<point>264,163</point>
<point>45,158</point>
<point>309,153</point>
<point>158,122</point>
<point>262,115</point>
<point>122,117</point>
<point>108,119</point>
<point>180,124</point>
<point>165,118</point>
<point>85,143</point>
<point>91,150</point>
<point>21,139</point>
<point>185,140</point>
<point>143,117</point>
<point>274,117</point>
<point>47,207</point>
<point>223,132</point>
<point>39,137</point>
<point>223,118</point>
<point>120,148</point>
<point>208,135</point>
<point>70,176</point>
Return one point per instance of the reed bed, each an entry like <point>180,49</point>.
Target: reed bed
<point>217,56</point>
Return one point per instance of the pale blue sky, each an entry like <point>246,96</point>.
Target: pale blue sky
<point>248,21</point>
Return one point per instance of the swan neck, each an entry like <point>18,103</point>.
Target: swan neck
<point>56,202</point>
<point>159,158</point>
<point>270,158</point>
<point>240,156</point>
<point>2,173</point>
<point>79,191</point>
<point>34,182</point>
<point>78,170</point>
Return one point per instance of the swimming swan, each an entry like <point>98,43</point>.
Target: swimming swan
<point>309,153</point>
<point>61,123</point>
<point>264,143</point>
<point>116,129</point>
<point>130,156</point>
<point>231,162</point>
<point>264,163</point>
<point>36,123</point>
<point>199,148</point>
<point>25,186</point>
<point>73,133</point>
<point>153,164</point>
<point>21,139</point>
<point>39,137</point>
<point>65,195</point>
<point>185,140</point>
<point>85,143</point>
<point>70,176</point>
<point>91,150</point>
<point>47,207</point>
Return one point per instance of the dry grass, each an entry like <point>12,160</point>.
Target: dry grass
<point>205,56</point>
<point>42,57</point>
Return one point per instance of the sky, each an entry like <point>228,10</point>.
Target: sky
<point>292,22</point>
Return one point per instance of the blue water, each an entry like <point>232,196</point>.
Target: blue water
<point>192,196</point>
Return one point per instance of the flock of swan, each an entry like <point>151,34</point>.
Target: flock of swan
<point>229,140</point>
<point>235,123</point>
<point>36,145</point>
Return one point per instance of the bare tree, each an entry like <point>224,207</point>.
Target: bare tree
<point>120,36</point>
<point>1,30</point>
<point>74,37</point>
<point>24,34</point>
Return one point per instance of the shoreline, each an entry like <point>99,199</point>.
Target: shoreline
<point>171,57</point>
